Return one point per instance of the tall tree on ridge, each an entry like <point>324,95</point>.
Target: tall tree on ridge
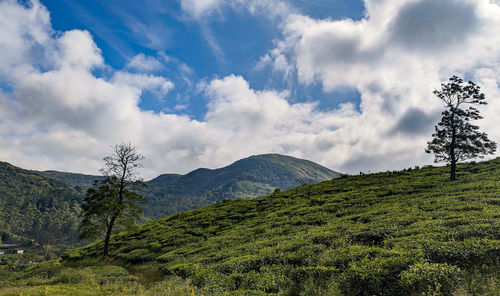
<point>455,138</point>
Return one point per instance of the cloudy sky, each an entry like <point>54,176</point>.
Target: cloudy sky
<point>202,83</point>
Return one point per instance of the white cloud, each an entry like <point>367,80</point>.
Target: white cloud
<point>63,117</point>
<point>66,118</point>
<point>157,84</point>
<point>15,47</point>
<point>56,114</point>
<point>144,63</point>
<point>199,9</point>
<point>395,57</point>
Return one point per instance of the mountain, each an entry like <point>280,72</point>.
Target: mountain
<point>79,181</point>
<point>246,178</point>
<point>410,232</point>
<point>35,207</point>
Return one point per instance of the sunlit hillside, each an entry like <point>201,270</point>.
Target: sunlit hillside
<point>410,232</point>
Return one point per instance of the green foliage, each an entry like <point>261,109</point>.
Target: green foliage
<point>395,233</point>
<point>47,269</point>
<point>34,207</point>
<point>114,203</point>
<point>247,178</point>
<point>103,203</point>
<point>469,253</point>
<point>53,278</point>
<point>79,181</point>
<point>431,279</point>
<point>375,276</point>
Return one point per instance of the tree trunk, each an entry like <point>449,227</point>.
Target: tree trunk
<point>108,236</point>
<point>453,169</point>
<point>452,147</point>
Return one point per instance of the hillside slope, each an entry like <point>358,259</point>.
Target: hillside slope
<point>34,207</point>
<point>394,233</point>
<point>246,178</point>
<point>79,181</point>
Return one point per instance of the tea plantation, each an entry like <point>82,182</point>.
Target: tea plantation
<point>410,232</point>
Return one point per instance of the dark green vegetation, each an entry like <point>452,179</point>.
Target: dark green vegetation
<point>114,204</point>
<point>411,232</point>
<point>36,208</point>
<point>79,181</point>
<point>53,278</point>
<point>246,178</point>
<point>37,205</point>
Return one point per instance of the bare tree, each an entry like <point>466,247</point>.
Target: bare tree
<point>114,200</point>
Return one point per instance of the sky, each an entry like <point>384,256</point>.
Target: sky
<point>202,83</point>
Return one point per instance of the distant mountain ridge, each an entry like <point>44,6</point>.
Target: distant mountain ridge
<point>246,178</point>
<point>79,181</point>
<point>44,205</point>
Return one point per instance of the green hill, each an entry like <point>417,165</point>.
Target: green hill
<point>79,181</point>
<point>246,178</point>
<point>410,232</point>
<point>35,207</point>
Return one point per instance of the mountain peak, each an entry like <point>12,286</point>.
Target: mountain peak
<point>246,178</point>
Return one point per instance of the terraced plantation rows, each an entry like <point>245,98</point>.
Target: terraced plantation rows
<point>409,232</point>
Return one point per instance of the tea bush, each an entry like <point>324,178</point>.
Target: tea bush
<point>393,233</point>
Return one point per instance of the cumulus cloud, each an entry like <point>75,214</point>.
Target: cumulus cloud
<point>62,116</point>
<point>57,114</point>
<point>395,56</point>
<point>157,84</point>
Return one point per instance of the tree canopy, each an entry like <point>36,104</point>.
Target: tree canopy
<point>455,137</point>
<point>114,203</point>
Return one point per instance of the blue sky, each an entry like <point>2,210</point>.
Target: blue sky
<point>203,83</point>
<point>124,29</point>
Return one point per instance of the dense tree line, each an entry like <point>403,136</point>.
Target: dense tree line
<point>35,208</point>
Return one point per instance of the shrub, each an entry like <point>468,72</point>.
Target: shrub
<point>47,269</point>
<point>377,276</point>
<point>241,264</point>
<point>264,282</point>
<point>73,276</point>
<point>431,279</point>
<point>139,255</point>
<point>72,255</point>
<point>182,270</point>
<point>310,279</point>
<point>468,254</point>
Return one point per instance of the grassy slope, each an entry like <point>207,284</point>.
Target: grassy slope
<point>402,233</point>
